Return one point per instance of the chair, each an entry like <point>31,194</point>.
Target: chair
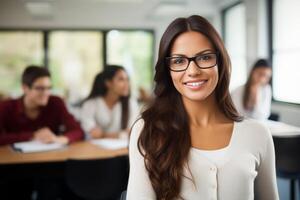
<point>101,179</point>
<point>274,116</point>
<point>287,150</point>
<point>123,195</point>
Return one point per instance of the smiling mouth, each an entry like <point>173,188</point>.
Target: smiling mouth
<point>195,85</point>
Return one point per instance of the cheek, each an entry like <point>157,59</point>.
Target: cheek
<point>176,79</point>
<point>120,86</point>
<point>215,75</point>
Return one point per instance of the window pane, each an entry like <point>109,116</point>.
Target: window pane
<point>75,59</point>
<point>286,50</point>
<point>235,41</point>
<point>134,51</point>
<point>286,77</point>
<point>18,49</point>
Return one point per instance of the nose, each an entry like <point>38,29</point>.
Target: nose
<point>193,69</point>
<point>46,92</point>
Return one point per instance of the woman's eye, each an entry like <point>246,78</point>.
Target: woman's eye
<point>206,57</point>
<point>178,60</point>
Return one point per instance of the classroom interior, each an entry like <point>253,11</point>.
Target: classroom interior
<point>76,39</point>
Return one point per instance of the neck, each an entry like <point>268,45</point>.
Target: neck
<point>203,113</point>
<point>32,111</point>
<point>29,106</point>
<point>111,99</point>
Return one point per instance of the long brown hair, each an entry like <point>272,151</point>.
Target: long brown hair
<point>99,88</point>
<point>261,63</point>
<point>165,140</point>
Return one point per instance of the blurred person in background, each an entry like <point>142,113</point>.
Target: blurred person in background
<point>253,99</point>
<point>36,115</point>
<point>109,111</point>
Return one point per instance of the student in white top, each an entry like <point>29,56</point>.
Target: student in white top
<point>254,98</point>
<point>109,111</point>
<point>190,142</point>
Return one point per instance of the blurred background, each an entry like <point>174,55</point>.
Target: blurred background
<point>75,39</point>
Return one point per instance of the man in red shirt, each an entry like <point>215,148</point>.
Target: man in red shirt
<point>35,116</point>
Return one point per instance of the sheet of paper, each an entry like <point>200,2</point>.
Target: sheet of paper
<point>109,143</point>
<point>36,146</point>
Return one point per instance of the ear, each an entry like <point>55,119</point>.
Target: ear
<point>25,88</point>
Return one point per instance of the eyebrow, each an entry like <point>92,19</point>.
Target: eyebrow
<point>197,54</point>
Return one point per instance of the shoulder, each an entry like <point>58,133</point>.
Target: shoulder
<point>253,130</point>
<point>9,104</point>
<point>136,130</point>
<point>137,127</point>
<point>92,101</point>
<point>55,100</point>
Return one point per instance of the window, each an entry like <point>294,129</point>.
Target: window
<point>133,50</point>
<point>286,50</point>
<point>17,50</point>
<point>75,59</point>
<point>235,42</point>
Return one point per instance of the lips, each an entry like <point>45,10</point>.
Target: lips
<point>195,84</point>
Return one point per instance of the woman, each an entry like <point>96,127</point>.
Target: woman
<point>254,98</point>
<point>191,143</point>
<point>108,111</point>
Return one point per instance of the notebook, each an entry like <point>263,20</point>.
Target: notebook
<point>36,146</point>
<point>108,143</point>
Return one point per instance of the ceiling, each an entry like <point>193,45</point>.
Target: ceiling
<point>104,13</point>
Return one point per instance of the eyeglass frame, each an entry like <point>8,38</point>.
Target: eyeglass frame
<point>192,59</point>
<point>41,88</point>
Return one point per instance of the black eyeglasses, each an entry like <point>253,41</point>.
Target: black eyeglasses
<point>181,63</point>
<point>41,88</point>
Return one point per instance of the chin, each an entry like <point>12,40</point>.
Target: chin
<point>43,102</point>
<point>196,96</point>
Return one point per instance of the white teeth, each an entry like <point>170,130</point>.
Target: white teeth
<point>195,84</point>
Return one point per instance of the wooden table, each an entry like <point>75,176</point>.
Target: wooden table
<point>78,150</point>
<point>14,165</point>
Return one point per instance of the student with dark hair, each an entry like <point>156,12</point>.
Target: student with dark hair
<point>190,142</point>
<point>254,98</point>
<point>37,115</point>
<point>109,111</point>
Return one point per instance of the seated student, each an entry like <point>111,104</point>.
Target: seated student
<point>254,98</point>
<point>109,111</point>
<point>37,115</point>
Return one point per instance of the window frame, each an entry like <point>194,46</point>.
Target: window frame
<point>223,22</point>
<point>46,32</point>
<point>270,20</point>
